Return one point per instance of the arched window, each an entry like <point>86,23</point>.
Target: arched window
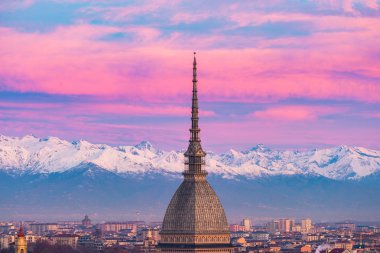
<point>22,251</point>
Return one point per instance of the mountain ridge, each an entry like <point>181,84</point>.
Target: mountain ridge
<point>30,154</point>
<point>103,194</point>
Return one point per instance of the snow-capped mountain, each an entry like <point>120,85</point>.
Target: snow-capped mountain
<point>55,178</point>
<point>34,155</point>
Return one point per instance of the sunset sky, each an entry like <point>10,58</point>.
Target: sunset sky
<point>291,74</point>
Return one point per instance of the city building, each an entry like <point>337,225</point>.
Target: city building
<point>86,222</point>
<point>155,234</point>
<point>247,224</point>
<point>6,240</point>
<point>286,225</point>
<point>346,225</point>
<point>118,226</point>
<point>260,236</point>
<point>274,226</point>
<point>21,246</point>
<point>339,250</point>
<point>43,228</point>
<point>65,239</point>
<point>195,220</point>
<point>305,248</point>
<point>344,244</point>
<point>4,228</point>
<point>30,238</point>
<point>306,225</point>
<point>236,228</point>
<point>92,243</point>
<point>310,237</point>
<point>297,228</point>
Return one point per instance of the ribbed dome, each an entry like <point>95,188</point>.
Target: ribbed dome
<point>195,209</point>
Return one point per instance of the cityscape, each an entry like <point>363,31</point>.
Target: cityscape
<point>277,235</point>
<point>195,221</point>
<point>189,126</point>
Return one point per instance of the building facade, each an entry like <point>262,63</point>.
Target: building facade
<point>195,220</point>
<point>247,224</point>
<point>260,236</point>
<point>118,226</point>
<point>86,222</point>
<point>43,228</point>
<point>65,239</point>
<point>286,225</point>
<point>306,225</point>
<point>21,246</point>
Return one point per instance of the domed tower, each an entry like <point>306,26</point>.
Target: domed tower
<point>21,245</point>
<point>195,220</point>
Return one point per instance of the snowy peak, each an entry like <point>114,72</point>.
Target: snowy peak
<point>345,162</point>
<point>259,148</point>
<point>35,155</point>
<point>145,145</point>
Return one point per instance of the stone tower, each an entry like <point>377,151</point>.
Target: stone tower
<point>195,220</point>
<point>21,245</point>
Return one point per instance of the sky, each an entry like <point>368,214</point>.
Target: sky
<point>290,74</point>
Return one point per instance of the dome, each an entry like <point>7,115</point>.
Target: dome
<point>241,240</point>
<point>195,209</point>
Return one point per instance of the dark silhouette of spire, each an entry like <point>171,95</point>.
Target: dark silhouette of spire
<point>195,155</point>
<point>194,108</point>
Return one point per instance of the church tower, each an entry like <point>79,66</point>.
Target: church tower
<point>195,220</point>
<point>20,243</point>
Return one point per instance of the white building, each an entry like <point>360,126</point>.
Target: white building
<point>247,224</point>
<point>306,225</point>
<point>260,236</point>
<point>43,228</point>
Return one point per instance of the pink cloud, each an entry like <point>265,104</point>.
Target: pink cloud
<point>62,110</point>
<point>29,105</point>
<point>373,4</point>
<point>287,134</point>
<point>297,113</point>
<point>13,5</point>
<point>137,110</point>
<point>373,115</point>
<point>188,18</point>
<point>74,60</point>
<point>123,13</point>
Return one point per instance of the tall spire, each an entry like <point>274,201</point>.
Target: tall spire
<point>194,156</point>
<point>194,107</point>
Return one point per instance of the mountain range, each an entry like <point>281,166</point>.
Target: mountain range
<point>50,178</point>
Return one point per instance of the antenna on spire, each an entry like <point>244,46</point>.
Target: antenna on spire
<point>195,68</point>
<point>194,107</point>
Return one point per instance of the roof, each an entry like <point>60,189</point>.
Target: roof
<point>359,246</point>
<point>20,232</point>
<point>195,209</point>
<point>65,235</point>
<point>337,250</point>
